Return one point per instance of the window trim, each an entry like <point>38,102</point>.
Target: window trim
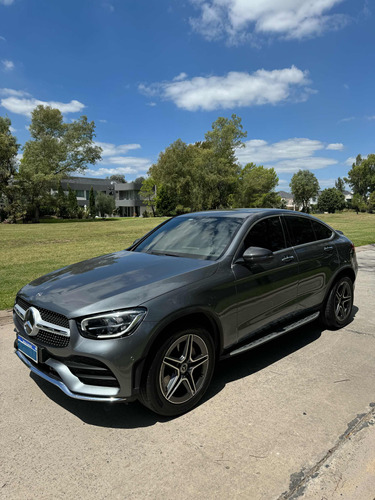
<point>310,242</point>
<point>238,254</point>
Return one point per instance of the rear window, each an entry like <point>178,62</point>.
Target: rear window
<point>300,229</point>
<point>322,232</point>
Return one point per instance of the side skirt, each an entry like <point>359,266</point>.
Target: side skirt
<point>274,334</point>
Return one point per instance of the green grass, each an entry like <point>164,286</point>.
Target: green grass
<point>358,228</point>
<point>30,250</point>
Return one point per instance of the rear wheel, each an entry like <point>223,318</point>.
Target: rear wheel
<point>180,372</point>
<point>338,308</point>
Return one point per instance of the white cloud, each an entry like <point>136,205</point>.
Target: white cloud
<point>348,119</point>
<point>240,19</point>
<point>309,163</point>
<point>370,117</point>
<point>110,171</point>
<point>12,129</point>
<point>349,161</point>
<point>236,89</point>
<point>181,76</point>
<point>12,92</point>
<point>136,163</point>
<point>259,151</point>
<point>286,156</point>
<point>7,65</point>
<point>151,104</point>
<point>6,2</point>
<point>3,38</point>
<point>113,150</point>
<point>24,106</point>
<point>335,146</point>
<point>102,121</point>
<point>326,183</point>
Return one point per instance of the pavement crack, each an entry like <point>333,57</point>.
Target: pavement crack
<point>299,480</point>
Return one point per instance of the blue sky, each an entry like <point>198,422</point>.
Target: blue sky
<point>299,73</point>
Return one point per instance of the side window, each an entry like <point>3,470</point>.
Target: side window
<point>321,232</point>
<point>266,233</point>
<point>300,230</point>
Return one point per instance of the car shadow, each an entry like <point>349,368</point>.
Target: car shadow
<point>134,415</point>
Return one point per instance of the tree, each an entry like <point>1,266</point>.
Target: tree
<point>256,187</point>
<point>120,178</point>
<point>92,205</point>
<point>105,204</point>
<point>72,203</point>
<point>330,200</point>
<point>166,201</point>
<point>361,177</point>
<point>56,149</point>
<point>358,203</point>
<point>148,193</point>
<point>304,186</point>
<point>138,181</point>
<point>61,202</point>
<point>371,202</point>
<point>340,185</point>
<point>8,154</point>
<point>203,175</point>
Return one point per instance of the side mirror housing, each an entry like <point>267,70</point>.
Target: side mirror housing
<point>253,255</point>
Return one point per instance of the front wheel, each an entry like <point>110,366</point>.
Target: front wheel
<point>338,308</point>
<point>180,372</point>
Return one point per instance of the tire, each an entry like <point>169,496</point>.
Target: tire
<point>338,307</point>
<point>180,372</point>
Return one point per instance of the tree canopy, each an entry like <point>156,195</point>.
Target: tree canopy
<point>8,154</point>
<point>56,149</point>
<point>361,177</point>
<point>330,200</point>
<point>304,186</point>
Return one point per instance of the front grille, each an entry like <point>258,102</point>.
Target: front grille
<point>43,336</point>
<point>46,315</point>
<point>52,339</point>
<point>90,371</point>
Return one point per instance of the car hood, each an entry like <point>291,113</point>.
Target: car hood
<point>114,281</point>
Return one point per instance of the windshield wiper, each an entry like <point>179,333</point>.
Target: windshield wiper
<point>155,252</point>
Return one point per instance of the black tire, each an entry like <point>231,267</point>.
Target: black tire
<point>338,307</point>
<point>180,373</point>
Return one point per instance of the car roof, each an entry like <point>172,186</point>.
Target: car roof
<point>242,213</point>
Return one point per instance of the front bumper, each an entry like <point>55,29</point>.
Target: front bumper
<point>119,356</point>
<point>60,384</point>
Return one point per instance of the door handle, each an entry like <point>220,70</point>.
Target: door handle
<point>328,249</point>
<point>287,258</point>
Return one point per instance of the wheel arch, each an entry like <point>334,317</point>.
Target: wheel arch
<point>182,319</point>
<point>345,272</point>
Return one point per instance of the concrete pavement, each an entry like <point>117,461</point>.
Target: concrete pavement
<point>291,419</point>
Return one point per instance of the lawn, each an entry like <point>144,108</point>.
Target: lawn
<point>30,250</point>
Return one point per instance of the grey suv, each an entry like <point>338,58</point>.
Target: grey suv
<point>150,322</point>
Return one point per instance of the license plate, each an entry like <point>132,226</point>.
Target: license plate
<point>28,348</point>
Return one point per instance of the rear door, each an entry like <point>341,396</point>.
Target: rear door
<point>266,291</point>
<point>314,245</point>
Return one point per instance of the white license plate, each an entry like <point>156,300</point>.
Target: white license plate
<point>28,348</point>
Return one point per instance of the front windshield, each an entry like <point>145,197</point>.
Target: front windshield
<point>202,237</point>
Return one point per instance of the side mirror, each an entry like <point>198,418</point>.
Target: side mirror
<point>252,255</point>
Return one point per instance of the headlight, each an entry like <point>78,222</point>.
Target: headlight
<point>112,325</point>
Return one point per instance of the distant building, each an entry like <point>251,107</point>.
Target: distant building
<point>126,195</point>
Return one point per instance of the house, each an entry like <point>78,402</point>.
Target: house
<point>127,197</point>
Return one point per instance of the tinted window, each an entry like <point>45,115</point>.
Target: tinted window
<point>321,232</point>
<point>266,233</point>
<point>300,230</point>
<point>197,237</point>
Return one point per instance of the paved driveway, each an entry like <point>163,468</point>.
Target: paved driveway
<point>280,421</point>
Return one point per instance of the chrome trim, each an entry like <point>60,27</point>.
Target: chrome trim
<point>278,333</point>
<point>141,313</point>
<point>63,387</point>
<point>41,324</point>
<point>19,311</point>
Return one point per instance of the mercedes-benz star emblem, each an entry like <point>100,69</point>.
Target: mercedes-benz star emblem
<point>32,317</point>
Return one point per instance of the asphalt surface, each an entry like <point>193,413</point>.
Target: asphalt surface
<point>291,419</point>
